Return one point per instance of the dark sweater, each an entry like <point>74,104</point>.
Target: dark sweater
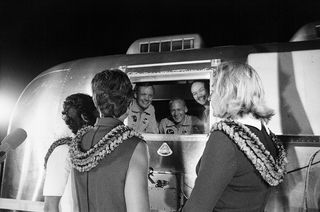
<point>227,181</point>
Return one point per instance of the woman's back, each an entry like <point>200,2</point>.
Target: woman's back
<point>247,189</point>
<point>228,180</point>
<point>102,188</point>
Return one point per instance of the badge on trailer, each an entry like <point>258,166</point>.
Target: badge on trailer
<point>164,150</point>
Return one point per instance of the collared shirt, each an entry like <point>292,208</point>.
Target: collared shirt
<point>190,125</point>
<point>142,120</point>
<point>107,122</point>
<point>250,120</point>
<point>58,180</point>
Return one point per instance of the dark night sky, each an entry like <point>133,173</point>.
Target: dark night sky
<point>38,34</point>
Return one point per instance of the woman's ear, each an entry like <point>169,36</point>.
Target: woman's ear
<point>84,118</point>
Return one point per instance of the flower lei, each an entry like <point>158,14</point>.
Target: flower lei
<point>61,141</point>
<point>271,169</point>
<point>85,161</point>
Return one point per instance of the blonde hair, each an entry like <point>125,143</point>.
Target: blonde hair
<point>238,91</point>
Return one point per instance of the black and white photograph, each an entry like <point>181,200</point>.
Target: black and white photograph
<point>160,106</point>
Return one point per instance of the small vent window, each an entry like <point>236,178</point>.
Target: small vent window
<point>144,47</point>
<point>188,44</point>
<point>154,47</point>
<point>165,46</point>
<point>176,45</point>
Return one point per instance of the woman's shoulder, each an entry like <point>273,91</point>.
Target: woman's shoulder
<point>133,139</point>
<point>140,155</point>
<point>218,139</point>
<point>133,135</point>
<point>221,131</point>
<point>136,141</point>
<point>141,147</point>
<point>59,156</point>
<point>223,135</point>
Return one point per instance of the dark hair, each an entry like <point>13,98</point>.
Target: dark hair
<point>205,84</point>
<point>112,92</point>
<point>83,103</point>
<point>143,84</point>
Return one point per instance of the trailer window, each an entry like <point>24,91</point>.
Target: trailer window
<point>164,92</point>
<point>154,47</point>
<point>144,47</point>
<point>165,46</point>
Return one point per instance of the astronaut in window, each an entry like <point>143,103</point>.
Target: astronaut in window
<point>179,122</point>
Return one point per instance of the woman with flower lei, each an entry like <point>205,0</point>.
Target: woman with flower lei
<point>242,158</point>
<point>78,111</point>
<point>110,159</point>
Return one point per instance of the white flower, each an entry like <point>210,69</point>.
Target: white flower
<point>85,161</point>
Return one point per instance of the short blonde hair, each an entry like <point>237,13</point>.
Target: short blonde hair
<point>237,90</point>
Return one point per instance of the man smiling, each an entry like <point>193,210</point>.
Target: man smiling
<point>201,95</point>
<point>180,122</point>
<point>141,113</point>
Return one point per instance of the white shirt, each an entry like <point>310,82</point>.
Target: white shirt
<point>250,120</point>
<point>59,180</point>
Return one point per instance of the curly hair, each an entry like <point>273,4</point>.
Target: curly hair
<point>112,92</point>
<point>237,90</point>
<point>83,103</point>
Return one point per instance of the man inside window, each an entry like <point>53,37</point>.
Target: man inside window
<point>180,122</point>
<point>200,93</point>
<point>141,113</point>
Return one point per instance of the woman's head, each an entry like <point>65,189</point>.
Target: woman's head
<point>112,92</point>
<point>78,111</point>
<point>237,91</point>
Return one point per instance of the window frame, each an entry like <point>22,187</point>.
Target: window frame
<point>175,75</point>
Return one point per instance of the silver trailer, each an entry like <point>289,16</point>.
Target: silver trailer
<point>291,76</point>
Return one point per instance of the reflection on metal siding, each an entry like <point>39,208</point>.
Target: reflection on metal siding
<point>292,84</point>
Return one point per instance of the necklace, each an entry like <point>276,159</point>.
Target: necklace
<point>271,169</point>
<point>61,141</point>
<point>86,160</point>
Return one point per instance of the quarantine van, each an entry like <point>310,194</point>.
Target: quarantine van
<point>290,73</point>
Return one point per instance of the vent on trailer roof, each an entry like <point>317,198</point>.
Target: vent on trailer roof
<point>165,44</point>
